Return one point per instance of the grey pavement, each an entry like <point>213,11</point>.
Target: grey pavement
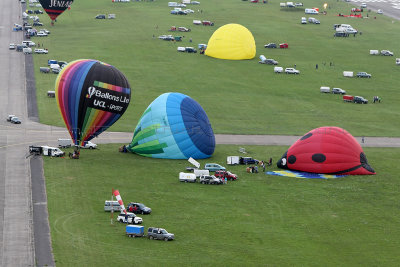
<point>24,230</point>
<point>390,8</point>
<point>16,233</point>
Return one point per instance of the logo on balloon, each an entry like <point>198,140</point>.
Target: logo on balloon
<point>91,92</point>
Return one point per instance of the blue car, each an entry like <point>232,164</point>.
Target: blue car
<point>212,167</point>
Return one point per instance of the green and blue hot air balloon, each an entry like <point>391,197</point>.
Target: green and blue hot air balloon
<point>174,126</point>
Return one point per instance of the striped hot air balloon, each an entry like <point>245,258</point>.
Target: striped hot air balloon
<point>174,126</point>
<point>91,96</point>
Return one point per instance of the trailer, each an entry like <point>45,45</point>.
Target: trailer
<point>232,160</point>
<point>348,98</point>
<point>348,74</point>
<point>134,231</point>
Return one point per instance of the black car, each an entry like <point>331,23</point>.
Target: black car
<point>191,50</point>
<point>138,208</point>
<point>37,23</point>
<point>38,11</point>
<point>101,16</point>
<point>270,45</point>
<point>360,100</point>
<point>247,160</point>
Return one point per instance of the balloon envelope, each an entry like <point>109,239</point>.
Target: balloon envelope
<point>91,96</point>
<point>329,150</point>
<point>54,8</point>
<point>174,126</point>
<point>231,41</point>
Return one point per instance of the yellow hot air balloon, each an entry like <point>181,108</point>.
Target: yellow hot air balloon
<point>231,41</point>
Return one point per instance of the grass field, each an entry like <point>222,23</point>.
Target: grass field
<point>257,220</point>
<point>240,97</point>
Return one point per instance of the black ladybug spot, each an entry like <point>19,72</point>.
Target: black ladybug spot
<point>292,159</point>
<point>318,158</point>
<point>306,136</point>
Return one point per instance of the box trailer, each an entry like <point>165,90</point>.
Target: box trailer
<point>187,177</point>
<point>64,142</point>
<point>232,160</point>
<point>134,231</point>
<point>374,52</point>
<point>348,98</point>
<point>348,74</point>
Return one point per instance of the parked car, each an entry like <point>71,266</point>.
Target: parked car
<point>207,23</point>
<point>41,34</point>
<point>303,20</point>
<point>268,61</point>
<point>270,45</point>
<point>100,16</point>
<point>363,74</point>
<point>363,5</point>
<point>291,71</point>
<point>247,160</point>
<point>183,29</point>
<point>37,23</point>
<point>283,45</point>
<point>386,53</point>
<point>129,217</point>
<point>88,144</point>
<point>15,120</point>
<point>190,50</point>
<point>44,30</point>
<point>210,179</point>
<point>160,234</point>
<point>360,100</point>
<point>212,167</point>
<point>38,11</point>
<point>138,208</point>
<point>379,11</point>
<point>226,174</point>
<point>41,51</point>
<point>298,4</point>
<point>338,91</point>
<point>12,46</point>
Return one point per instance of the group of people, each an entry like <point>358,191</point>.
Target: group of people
<point>263,164</point>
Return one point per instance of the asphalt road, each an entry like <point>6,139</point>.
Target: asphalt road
<point>24,229</point>
<point>390,8</point>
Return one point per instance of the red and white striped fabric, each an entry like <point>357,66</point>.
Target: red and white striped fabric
<point>118,197</point>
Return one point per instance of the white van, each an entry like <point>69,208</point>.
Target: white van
<point>310,11</point>
<point>55,67</point>
<point>64,143</point>
<point>27,50</point>
<point>325,89</point>
<point>187,177</point>
<point>278,69</point>
<point>28,43</point>
<point>348,74</point>
<point>111,206</point>
<point>199,173</point>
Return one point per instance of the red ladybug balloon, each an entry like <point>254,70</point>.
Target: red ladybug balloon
<point>329,150</point>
